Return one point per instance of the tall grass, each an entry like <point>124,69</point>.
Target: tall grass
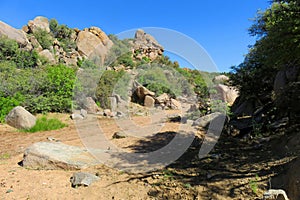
<point>44,124</point>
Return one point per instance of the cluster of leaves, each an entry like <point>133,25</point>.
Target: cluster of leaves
<point>120,53</point>
<point>163,79</point>
<point>61,32</point>
<point>112,82</point>
<point>195,78</point>
<point>277,48</point>
<point>44,38</point>
<point>45,124</point>
<point>10,51</point>
<point>44,89</point>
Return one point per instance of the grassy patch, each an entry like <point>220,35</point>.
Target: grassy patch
<point>44,124</point>
<point>5,156</point>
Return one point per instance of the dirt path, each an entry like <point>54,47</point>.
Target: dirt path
<point>234,170</point>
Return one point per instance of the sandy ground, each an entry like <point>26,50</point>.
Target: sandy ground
<point>235,171</point>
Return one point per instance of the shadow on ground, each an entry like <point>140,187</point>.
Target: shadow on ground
<point>235,169</point>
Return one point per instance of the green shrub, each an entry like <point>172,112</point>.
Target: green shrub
<point>10,51</point>
<point>119,51</point>
<point>159,89</point>
<point>109,83</point>
<point>45,89</point>
<point>7,103</point>
<point>58,90</point>
<point>125,59</point>
<point>8,48</point>
<point>44,38</point>
<point>163,79</point>
<point>44,124</point>
<point>63,34</point>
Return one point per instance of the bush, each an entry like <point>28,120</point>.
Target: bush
<point>109,83</point>
<point>44,38</point>
<point>47,89</point>
<point>7,103</point>
<point>10,51</point>
<point>44,124</point>
<point>57,91</point>
<point>63,34</point>
<point>120,51</point>
<point>163,79</point>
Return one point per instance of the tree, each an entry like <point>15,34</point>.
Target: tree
<point>277,48</point>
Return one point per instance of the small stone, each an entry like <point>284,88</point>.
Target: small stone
<point>76,117</point>
<point>83,113</point>
<point>9,191</point>
<point>83,179</point>
<point>119,135</point>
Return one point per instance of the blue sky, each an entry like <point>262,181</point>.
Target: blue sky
<point>220,27</point>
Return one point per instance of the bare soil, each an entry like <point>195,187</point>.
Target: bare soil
<point>236,169</point>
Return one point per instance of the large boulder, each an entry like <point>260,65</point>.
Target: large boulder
<point>48,55</point>
<point>20,118</point>
<point>220,79</point>
<point>280,82</point>
<point>14,34</point>
<point>141,92</point>
<point>149,101</point>
<point>93,42</point>
<point>162,99</point>
<point>49,155</point>
<point>174,104</point>
<point>90,106</point>
<point>38,23</point>
<point>228,94</point>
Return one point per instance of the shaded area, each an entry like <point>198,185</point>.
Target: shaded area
<point>153,142</point>
<point>235,168</point>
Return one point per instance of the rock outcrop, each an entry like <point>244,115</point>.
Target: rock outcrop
<point>20,118</point>
<point>220,79</point>
<point>36,24</point>
<point>93,42</point>
<point>14,34</point>
<point>145,45</point>
<point>48,55</point>
<point>228,94</point>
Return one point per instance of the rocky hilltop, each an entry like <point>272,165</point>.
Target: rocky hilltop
<point>87,43</point>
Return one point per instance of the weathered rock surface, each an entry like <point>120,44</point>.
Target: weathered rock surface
<point>83,179</point>
<point>90,106</point>
<point>14,34</point>
<point>46,155</point>
<point>48,55</point>
<point>174,104</point>
<point>149,101</point>
<point>145,45</point>
<point>20,118</point>
<point>205,120</point>
<point>93,42</point>
<point>162,99</point>
<point>38,23</point>
<point>228,94</point>
<point>220,79</point>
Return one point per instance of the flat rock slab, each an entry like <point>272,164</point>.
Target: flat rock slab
<point>47,155</point>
